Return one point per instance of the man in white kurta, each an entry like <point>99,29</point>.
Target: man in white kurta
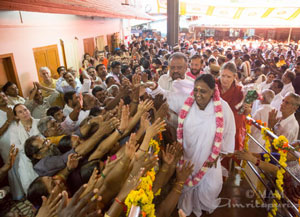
<point>198,138</point>
<point>261,114</point>
<point>287,79</point>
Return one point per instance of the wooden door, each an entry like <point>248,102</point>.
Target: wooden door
<point>109,42</point>
<point>3,72</point>
<point>100,42</point>
<point>8,71</point>
<point>89,46</point>
<point>47,56</point>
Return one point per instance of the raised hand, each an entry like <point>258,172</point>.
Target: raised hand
<point>168,155</point>
<point>73,160</point>
<point>13,152</point>
<point>124,118</point>
<point>136,80</point>
<point>178,150</point>
<point>183,172</point>
<point>121,103</point>
<point>162,112</point>
<point>109,125</point>
<point>79,207</point>
<point>91,183</point>
<point>214,163</point>
<point>144,161</point>
<point>145,121</point>
<point>131,146</point>
<point>132,183</point>
<point>10,114</point>
<point>50,205</point>
<point>272,118</point>
<point>145,106</point>
<point>155,128</point>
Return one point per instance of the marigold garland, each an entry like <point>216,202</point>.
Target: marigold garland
<point>143,195</point>
<point>267,143</point>
<point>280,144</point>
<point>246,141</point>
<point>260,186</point>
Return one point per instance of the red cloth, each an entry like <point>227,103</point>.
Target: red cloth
<point>234,96</point>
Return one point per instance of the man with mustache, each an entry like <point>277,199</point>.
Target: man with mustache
<point>178,64</point>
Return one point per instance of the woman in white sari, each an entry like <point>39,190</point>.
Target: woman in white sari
<point>206,128</point>
<point>22,129</point>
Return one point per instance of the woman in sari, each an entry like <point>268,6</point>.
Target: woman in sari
<point>22,129</point>
<point>232,93</point>
<point>206,130</point>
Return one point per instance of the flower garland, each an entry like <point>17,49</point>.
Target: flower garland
<point>218,135</point>
<point>246,141</point>
<point>143,195</point>
<point>280,144</point>
<point>267,143</point>
<point>260,186</point>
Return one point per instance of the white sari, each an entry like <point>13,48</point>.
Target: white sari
<point>23,166</point>
<point>198,138</point>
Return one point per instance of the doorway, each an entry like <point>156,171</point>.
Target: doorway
<point>89,46</point>
<point>8,71</point>
<point>47,56</point>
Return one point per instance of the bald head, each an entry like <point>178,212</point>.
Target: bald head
<point>268,96</point>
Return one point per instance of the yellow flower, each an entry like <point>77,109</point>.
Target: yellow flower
<point>144,196</point>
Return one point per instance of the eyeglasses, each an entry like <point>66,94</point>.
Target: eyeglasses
<point>44,144</point>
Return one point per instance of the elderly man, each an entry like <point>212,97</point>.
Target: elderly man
<point>261,114</point>
<point>47,81</point>
<point>51,129</point>
<point>287,124</point>
<point>37,104</point>
<point>178,64</point>
<point>287,78</point>
<point>47,160</point>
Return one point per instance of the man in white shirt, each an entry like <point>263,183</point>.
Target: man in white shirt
<point>287,124</point>
<point>261,114</point>
<point>287,79</point>
<point>276,86</point>
<point>37,104</point>
<point>12,92</point>
<point>178,64</point>
<point>72,101</point>
<point>175,80</point>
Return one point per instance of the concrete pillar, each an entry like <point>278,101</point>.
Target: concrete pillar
<point>172,21</point>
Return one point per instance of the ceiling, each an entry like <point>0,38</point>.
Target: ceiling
<point>97,8</point>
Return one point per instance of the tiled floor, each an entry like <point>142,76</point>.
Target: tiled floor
<point>238,201</point>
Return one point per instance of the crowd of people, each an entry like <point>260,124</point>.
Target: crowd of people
<point>79,145</point>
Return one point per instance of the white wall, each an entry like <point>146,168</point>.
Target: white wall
<point>41,29</point>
